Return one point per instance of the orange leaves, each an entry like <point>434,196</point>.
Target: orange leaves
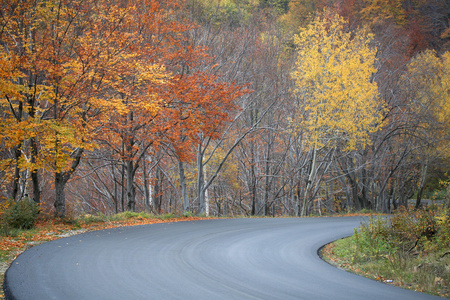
<point>378,11</point>
<point>118,74</point>
<point>72,61</point>
<point>161,87</point>
<point>8,244</point>
<point>203,105</point>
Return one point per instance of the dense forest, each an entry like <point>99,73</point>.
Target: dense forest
<point>224,107</point>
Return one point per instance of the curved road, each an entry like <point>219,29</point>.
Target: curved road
<point>211,259</point>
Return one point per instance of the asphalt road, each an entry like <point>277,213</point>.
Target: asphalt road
<point>211,259</point>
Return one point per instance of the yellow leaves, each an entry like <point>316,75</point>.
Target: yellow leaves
<point>378,11</point>
<point>442,219</point>
<point>333,79</point>
<point>9,74</point>
<point>71,71</point>
<point>429,77</point>
<point>152,73</point>
<point>138,95</point>
<point>427,86</point>
<point>444,101</point>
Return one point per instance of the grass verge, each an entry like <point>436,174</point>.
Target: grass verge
<point>410,250</point>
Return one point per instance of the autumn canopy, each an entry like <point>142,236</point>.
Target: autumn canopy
<point>78,75</point>
<point>231,107</point>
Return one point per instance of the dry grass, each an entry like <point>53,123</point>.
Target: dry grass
<point>427,272</point>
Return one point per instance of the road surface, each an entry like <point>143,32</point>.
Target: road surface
<point>211,259</point>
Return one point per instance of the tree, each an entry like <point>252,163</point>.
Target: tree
<point>299,14</point>
<point>44,95</point>
<point>77,60</point>
<point>191,102</point>
<point>333,81</point>
<point>427,90</point>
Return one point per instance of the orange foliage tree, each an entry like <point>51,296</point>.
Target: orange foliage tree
<point>79,74</point>
<point>46,90</point>
<point>190,100</point>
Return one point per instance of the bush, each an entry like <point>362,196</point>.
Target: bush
<point>88,219</point>
<point>20,215</point>
<point>187,214</point>
<point>411,249</point>
<point>371,241</point>
<point>167,216</point>
<point>441,240</point>
<point>126,215</point>
<point>407,233</point>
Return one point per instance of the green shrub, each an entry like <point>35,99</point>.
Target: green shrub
<point>419,230</point>
<point>126,215</point>
<point>441,193</point>
<point>167,216</point>
<point>20,215</point>
<point>441,239</point>
<point>411,247</point>
<point>145,215</point>
<point>72,222</point>
<point>371,240</point>
<point>98,218</point>
<point>187,214</point>
<point>407,232</point>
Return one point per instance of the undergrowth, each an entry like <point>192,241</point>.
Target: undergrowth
<point>411,249</point>
<point>18,216</point>
<point>127,215</point>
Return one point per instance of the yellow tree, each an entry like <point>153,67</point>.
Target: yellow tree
<point>429,77</point>
<point>427,90</point>
<point>333,82</point>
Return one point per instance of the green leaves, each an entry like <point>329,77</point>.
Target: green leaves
<point>20,215</point>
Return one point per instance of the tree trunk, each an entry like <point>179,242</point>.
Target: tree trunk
<point>157,197</point>
<point>348,169</point>
<point>253,190</point>
<point>183,186</point>
<point>200,180</point>
<point>122,191</point>
<point>423,176</point>
<point>297,197</point>
<point>253,180</point>
<point>265,207</point>
<point>16,179</point>
<point>116,194</point>
<point>60,196</point>
<point>17,155</point>
<point>147,200</point>
<point>131,192</point>
<point>36,187</point>
<point>34,148</point>
<point>311,176</point>
<point>207,200</point>
<point>365,201</point>
<point>61,179</point>
<point>355,197</point>
<point>34,172</point>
